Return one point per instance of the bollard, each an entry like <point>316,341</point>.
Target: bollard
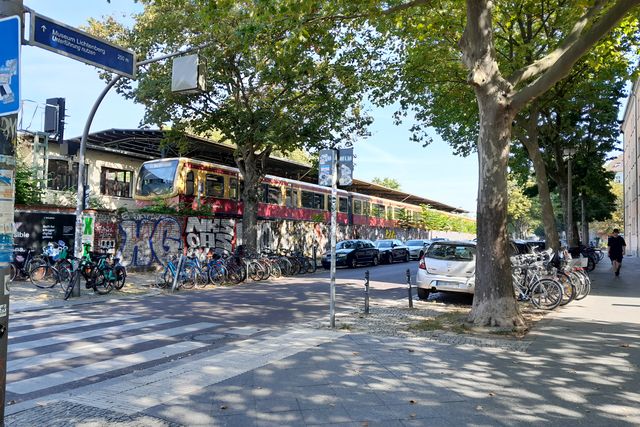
<point>409,288</point>
<point>174,286</point>
<point>366,292</point>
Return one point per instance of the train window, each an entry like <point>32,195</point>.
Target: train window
<point>263,191</point>
<point>366,209</point>
<point>214,186</point>
<point>233,188</point>
<point>357,207</point>
<point>378,211</point>
<point>190,183</point>
<point>318,201</point>
<point>399,213</point>
<point>388,212</point>
<point>342,204</point>
<point>307,199</point>
<point>274,195</point>
<point>292,197</point>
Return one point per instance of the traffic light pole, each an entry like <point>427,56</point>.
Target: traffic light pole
<point>8,139</point>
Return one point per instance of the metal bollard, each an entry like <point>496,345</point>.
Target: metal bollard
<point>409,288</point>
<point>366,292</point>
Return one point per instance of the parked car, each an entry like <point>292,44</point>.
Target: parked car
<point>447,266</point>
<point>392,250</point>
<point>417,247</point>
<point>353,253</point>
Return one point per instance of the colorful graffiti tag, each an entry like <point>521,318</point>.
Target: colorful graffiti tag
<point>147,239</point>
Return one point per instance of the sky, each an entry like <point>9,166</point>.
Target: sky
<point>432,172</point>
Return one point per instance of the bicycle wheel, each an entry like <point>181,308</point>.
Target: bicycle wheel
<point>200,278</point>
<point>187,277</point>
<point>14,272</point>
<point>43,276</point>
<point>121,276</point>
<point>586,284</point>
<point>75,281</point>
<point>311,265</point>
<point>274,269</point>
<point>546,294</point>
<point>216,275</point>
<point>102,285</point>
<point>568,288</point>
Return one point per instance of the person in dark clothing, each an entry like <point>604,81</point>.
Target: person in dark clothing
<point>617,248</point>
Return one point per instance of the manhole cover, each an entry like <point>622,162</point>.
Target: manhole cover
<point>207,337</point>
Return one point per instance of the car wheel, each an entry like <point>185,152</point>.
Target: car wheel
<point>353,263</point>
<point>423,294</point>
<point>389,259</point>
<point>375,261</point>
<point>326,266</point>
<point>406,257</point>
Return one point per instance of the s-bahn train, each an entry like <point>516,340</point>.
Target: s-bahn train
<point>186,181</point>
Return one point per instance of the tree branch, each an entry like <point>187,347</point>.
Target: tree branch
<point>560,63</point>
<point>552,57</point>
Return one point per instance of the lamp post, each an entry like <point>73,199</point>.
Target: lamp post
<point>569,153</point>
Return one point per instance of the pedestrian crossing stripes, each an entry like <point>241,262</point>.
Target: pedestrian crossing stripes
<point>103,347</point>
<point>76,323</point>
<point>74,374</point>
<point>28,345</point>
<point>40,370</point>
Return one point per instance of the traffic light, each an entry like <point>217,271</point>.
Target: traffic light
<point>54,112</point>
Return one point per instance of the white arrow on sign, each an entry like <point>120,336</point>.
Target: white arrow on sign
<point>44,28</point>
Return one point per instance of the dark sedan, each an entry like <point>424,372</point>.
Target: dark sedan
<point>353,253</point>
<point>392,250</point>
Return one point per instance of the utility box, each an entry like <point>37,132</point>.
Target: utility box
<point>187,75</point>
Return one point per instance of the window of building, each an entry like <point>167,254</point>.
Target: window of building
<point>63,175</point>
<point>214,186</point>
<point>115,182</point>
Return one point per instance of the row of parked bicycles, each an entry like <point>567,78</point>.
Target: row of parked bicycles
<point>102,272</point>
<point>200,269</point>
<point>548,279</point>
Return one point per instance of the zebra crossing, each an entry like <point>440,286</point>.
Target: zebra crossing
<point>48,351</point>
<point>135,361</point>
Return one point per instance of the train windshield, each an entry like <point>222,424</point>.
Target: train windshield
<point>157,178</point>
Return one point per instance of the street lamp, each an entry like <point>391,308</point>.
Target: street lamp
<point>568,154</point>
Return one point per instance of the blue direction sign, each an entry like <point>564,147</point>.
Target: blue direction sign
<point>9,65</point>
<point>71,42</point>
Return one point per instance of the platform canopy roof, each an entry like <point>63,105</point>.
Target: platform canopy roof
<point>147,144</point>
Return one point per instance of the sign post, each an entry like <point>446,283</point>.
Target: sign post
<point>334,165</point>
<point>11,36</point>
<point>68,41</point>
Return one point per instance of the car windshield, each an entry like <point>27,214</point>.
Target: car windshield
<point>157,178</point>
<point>347,244</point>
<point>451,252</point>
<point>415,243</point>
<point>383,244</point>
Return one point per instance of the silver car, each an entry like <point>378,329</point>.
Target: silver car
<point>417,247</point>
<point>447,266</point>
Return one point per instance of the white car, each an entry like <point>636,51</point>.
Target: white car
<point>447,266</point>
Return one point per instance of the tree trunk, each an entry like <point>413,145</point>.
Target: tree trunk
<point>494,301</point>
<point>252,167</point>
<point>548,217</point>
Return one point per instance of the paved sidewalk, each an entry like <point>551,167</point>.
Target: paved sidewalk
<point>581,368</point>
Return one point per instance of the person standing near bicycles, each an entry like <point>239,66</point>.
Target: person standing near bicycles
<point>617,248</point>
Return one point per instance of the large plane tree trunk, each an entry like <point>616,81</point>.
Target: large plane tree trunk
<point>494,302</point>
<point>530,142</point>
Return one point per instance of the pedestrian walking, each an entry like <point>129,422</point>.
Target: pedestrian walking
<point>617,248</point>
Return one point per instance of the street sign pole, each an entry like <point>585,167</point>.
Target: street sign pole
<point>11,36</point>
<point>333,233</point>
